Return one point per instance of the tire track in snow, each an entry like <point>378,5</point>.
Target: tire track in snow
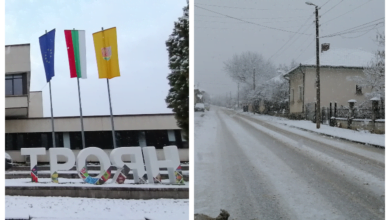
<point>294,194</point>
<point>372,196</point>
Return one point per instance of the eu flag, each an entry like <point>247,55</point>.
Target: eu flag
<point>47,50</point>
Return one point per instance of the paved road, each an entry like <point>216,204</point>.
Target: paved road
<point>255,170</point>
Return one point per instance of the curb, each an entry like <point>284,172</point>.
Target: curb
<point>328,135</point>
<point>341,138</point>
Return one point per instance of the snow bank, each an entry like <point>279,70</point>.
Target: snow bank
<point>358,136</point>
<point>64,182</point>
<point>61,208</point>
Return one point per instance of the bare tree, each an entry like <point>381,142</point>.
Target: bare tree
<point>242,67</point>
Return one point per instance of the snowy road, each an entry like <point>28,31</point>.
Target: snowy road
<point>256,170</point>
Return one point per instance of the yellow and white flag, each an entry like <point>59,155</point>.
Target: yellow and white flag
<point>106,49</point>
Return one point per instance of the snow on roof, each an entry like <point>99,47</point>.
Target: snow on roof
<point>278,78</point>
<point>342,58</point>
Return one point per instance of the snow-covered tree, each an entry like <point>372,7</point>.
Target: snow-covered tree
<point>242,67</point>
<point>178,49</point>
<point>374,74</point>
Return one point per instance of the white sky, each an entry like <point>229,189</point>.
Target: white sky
<point>142,29</point>
<point>218,38</point>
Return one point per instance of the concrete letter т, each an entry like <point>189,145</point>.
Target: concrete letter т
<point>33,153</point>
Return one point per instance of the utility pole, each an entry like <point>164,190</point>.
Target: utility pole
<point>238,95</point>
<point>318,110</point>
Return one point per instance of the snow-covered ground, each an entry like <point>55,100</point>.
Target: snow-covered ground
<point>260,170</point>
<point>64,182</point>
<point>358,136</point>
<point>63,208</point>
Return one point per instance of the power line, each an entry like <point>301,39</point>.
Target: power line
<point>248,21</point>
<point>332,8</point>
<point>258,9</point>
<point>305,49</point>
<point>291,38</point>
<point>346,12</point>
<point>289,18</point>
<point>324,4</point>
<point>355,28</point>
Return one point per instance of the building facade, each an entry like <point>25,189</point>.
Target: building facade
<point>337,70</point>
<point>26,127</point>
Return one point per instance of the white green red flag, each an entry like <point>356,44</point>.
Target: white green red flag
<point>75,43</point>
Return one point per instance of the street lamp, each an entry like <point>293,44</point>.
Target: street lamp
<point>309,3</point>
<point>318,68</point>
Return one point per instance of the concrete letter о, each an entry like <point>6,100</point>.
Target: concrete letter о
<point>105,164</point>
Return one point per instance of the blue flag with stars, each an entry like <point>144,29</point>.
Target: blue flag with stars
<point>47,49</point>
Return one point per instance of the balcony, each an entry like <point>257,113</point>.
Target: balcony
<point>16,106</point>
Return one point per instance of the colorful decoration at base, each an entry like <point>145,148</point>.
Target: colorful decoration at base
<point>124,173</point>
<point>95,181</point>
<point>179,176</point>
<point>34,174</point>
<point>141,158</point>
<point>54,177</point>
<point>157,179</point>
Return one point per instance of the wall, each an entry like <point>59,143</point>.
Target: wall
<point>93,123</point>
<point>362,124</point>
<point>17,58</point>
<point>296,80</point>
<point>35,105</point>
<point>335,87</point>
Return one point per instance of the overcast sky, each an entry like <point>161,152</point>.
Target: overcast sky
<point>218,38</point>
<point>142,29</point>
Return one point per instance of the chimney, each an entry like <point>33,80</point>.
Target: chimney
<point>325,47</point>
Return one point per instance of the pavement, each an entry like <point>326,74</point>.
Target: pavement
<point>257,170</point>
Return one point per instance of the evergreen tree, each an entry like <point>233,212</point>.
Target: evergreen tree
<point>178,49</point>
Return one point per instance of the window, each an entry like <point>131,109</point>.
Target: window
<point>15,84</point>
<point>292,95</point>
<point>300,93</point>
<point>157,138</point>
<point>358,90</point>
<point>32,140</point>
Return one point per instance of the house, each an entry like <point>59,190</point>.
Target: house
<point>337,67</point>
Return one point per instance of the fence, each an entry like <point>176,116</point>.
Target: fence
<point>328,113</point>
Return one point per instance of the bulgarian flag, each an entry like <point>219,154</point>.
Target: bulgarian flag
<point>75,43</point>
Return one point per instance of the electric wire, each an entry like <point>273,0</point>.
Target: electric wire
<point>332,8</point>
<point>346,12</point>
<point>278,29</point>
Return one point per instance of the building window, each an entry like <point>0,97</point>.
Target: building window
<point>15,84</point>
<point>127,138</point>
<point>358,90</point>
<point>300,93</point>
<point>157,138</point>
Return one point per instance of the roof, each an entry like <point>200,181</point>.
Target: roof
<point>278,79</point>
<point>14,45</point>
<point>347,58</point>
<point>342,58</point>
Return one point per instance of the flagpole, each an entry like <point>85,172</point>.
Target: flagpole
<point>52,120</point>
<point>81,113</point>
<point>112,120</point>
